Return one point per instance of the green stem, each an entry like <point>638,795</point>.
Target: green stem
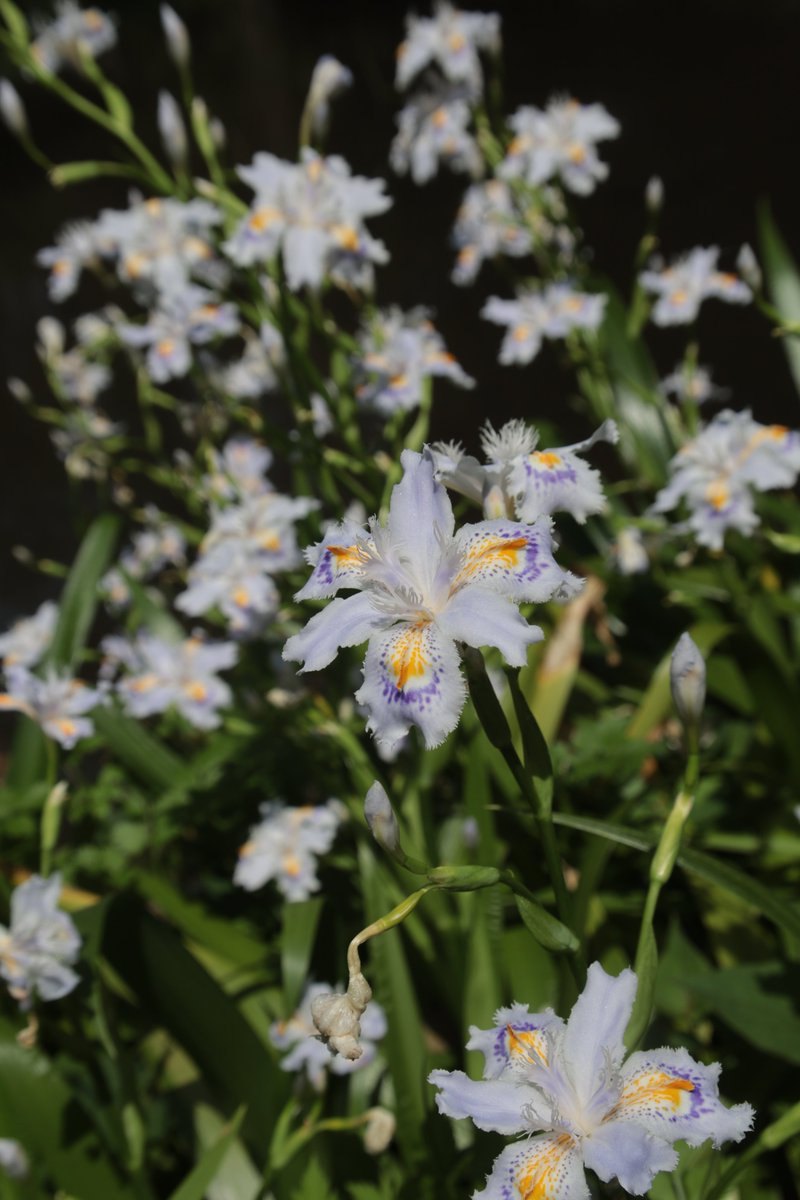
<point>93,112</point>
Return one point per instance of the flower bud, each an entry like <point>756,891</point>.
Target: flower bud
<point>748,267</point>
<point>172,129</point>
<point>379,1132</point>
<point>337,1016</point>
<point>12,109</point>
<point>219,134</point>
<point>14,1160</point>
<point>177,36</point>
<point>381,820</point>
<point>654,194</point>
<point>687,676</point>
<point>328,79</point>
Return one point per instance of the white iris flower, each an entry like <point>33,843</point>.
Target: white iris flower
<point>566,1087</point>
<point>422,588</point>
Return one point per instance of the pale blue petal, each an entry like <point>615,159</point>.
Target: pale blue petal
<point>480,617</point>
<point>492,1104</point>
<point>346,621</point>
<point>627,1152</point>
<point>668,1093</point>
<point>420,513</point>
<point>592,1040</point>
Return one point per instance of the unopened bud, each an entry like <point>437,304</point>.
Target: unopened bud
<point>172,129</point>
<point>12,109</point>
<point>337,1016</point>
<point>687,676</point>
<point>14,1160</point>
<point>219,134</point>
<point>177,36</point>
<point>381,819</point>
<point>329,78</point>
<point>654,194</point>
<point>749,269</point>
<point>381,1125</point>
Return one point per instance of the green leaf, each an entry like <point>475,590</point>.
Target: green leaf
<point>757,1000</point>
<point>195,1185</point>
<point>179,995</point>
<point>79,598</point>
<point>39,1108</point>
<point>536,752</point>
<point>300,921</point>
<point>783,279</point>
<point>222,936</point>
<point>783,914</point>
<point>146,756</point>
<point>548,931</point>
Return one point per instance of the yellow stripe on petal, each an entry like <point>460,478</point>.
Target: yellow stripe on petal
<point>408,659</point>
<point>655,1090</point>
<point>540,1173</point>
<point>490,553</point>
<point>527,1044</point>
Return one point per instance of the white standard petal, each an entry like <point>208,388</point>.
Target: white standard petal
<point>513,559</point>
<point>592,1042</point>
<point>420,513</point>
<point>620,1150</point>
<point>412,676</point>
<point>548,1167</point>
<point>346,621</point>
<point>495,1105</point>
<point>480,617</point>
<point>672,1096</point>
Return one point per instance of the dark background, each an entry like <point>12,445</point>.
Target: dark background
<point>708,97</point>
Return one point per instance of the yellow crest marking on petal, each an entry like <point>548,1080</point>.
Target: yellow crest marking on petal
<point>346,236</point>
<point>247,849</point>
<point>520,1044</point>
<point>263,217</point>
<point>61,266</point>
<point>241,597</point>
<point>291,865</point>
<point>546,458</point>
<point>143,683</point>
<point>153,206</point>
<point>439,118</point>
<point>408,660</point>
<point>653,1088</point>
<point>165,347</point>
<point>519,144</point>
<point>67,727</point>
<point>347,556</point>
<point>135,264</point>
<point>538,1177</point>
<point>456,42</point>
<point>679,296</point>
<point>196,690</point>
<point>521,333</point>
<point>717,495</point>
<point>577,153</point>
<point>490,552</point>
